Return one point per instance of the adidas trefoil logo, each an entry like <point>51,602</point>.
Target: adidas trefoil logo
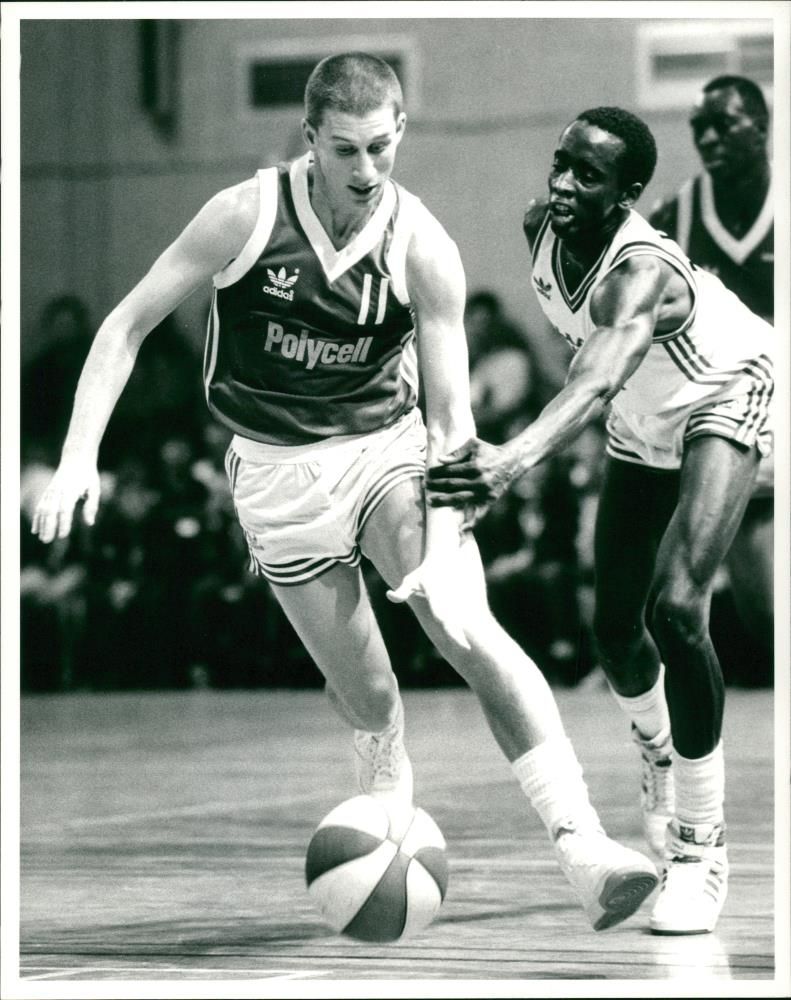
<point>686,833</point>
<point>543,287</point>
<point>281,286</point>
<point>280,280</point>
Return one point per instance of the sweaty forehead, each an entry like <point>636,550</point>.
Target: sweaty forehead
<point>585,141</point>
<point>726,100</point>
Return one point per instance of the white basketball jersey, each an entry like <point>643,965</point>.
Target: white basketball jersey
<point>721,347</point>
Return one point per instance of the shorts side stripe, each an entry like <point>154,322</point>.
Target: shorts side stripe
<point>759,397</point>
<point>302,570</point>
<point>723,420</point>
<point>232,463</point>
<point>747,426</point>
<point>758,406</point>
<point>617,450</point>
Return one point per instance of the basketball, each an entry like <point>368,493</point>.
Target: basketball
<point>366,885</point>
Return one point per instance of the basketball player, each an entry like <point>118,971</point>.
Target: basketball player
<point>724,220</point>
<point>319,266</point>
<point>688,370</point>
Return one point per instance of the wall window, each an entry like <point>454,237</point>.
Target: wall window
<point>674,59</point>
<point>272,74</point>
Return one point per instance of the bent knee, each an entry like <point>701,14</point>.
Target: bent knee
<point>680,614</point>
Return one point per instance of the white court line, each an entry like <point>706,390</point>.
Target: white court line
<point>126,972</point>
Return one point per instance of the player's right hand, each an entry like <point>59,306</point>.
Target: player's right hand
<point>473,477</point>
<point>74,480</point>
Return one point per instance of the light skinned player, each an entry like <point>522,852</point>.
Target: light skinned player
<point>319,267</point>
<point>687,369</point>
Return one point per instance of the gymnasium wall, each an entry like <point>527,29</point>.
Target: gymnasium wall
<point>104,191</point>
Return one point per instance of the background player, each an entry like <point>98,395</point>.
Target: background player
<point>688,370</point>
<point>318,267</point>
<point>723,219</point>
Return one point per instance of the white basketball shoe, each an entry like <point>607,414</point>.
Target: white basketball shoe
<point>384,771</point>
<point>695,880</point>
<point>657,794</point>
<point>611,881</point>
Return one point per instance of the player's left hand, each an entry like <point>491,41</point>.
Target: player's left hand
<point>475,475</point>
<point>435,582</point>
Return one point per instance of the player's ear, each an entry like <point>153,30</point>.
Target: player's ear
<point>762,125</point>
<point>400,126</point>
<point>630,195</point>
<point>308,133</point>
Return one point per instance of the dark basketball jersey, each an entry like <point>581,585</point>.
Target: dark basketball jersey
<point>746,265</point>
<point>307,342</point>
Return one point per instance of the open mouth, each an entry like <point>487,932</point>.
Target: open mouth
<point>558,210</point>
<point>363,192</point>
<point>713,156</point>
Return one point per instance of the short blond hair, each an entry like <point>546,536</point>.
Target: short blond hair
<point>355,83</point>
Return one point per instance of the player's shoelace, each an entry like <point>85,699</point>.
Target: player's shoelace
<point>657,786</point>
<point>382,754</point>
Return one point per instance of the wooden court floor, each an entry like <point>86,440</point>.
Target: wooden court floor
<point>163,840</point>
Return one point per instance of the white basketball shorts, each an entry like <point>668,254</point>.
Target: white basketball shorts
<point>658,440</point>
<point>302,508</point>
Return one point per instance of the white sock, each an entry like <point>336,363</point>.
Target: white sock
<point>700,787</point>
<point>648,711</point>
<point>551,778</point>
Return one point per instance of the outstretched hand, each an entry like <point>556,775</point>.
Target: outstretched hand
<point>72,482</point>
<point>473,477</point>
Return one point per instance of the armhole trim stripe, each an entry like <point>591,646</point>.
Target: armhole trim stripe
<point>267,211</point>
<point>405,224</point>
<point>539,237</point>
<point>212,345</point>
<point>684,220</point>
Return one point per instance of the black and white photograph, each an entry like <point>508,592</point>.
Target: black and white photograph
<point>394,598</point>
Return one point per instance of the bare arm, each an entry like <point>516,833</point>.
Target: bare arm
<point>213,238</point>
<point>437,287</point>
<point>436,283</point>
<point>625,309</point>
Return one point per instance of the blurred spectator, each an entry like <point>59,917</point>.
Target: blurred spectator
<point>49,379</point>
<point>119,645</point>
<point>505,380</point>
<point>164,390</point>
